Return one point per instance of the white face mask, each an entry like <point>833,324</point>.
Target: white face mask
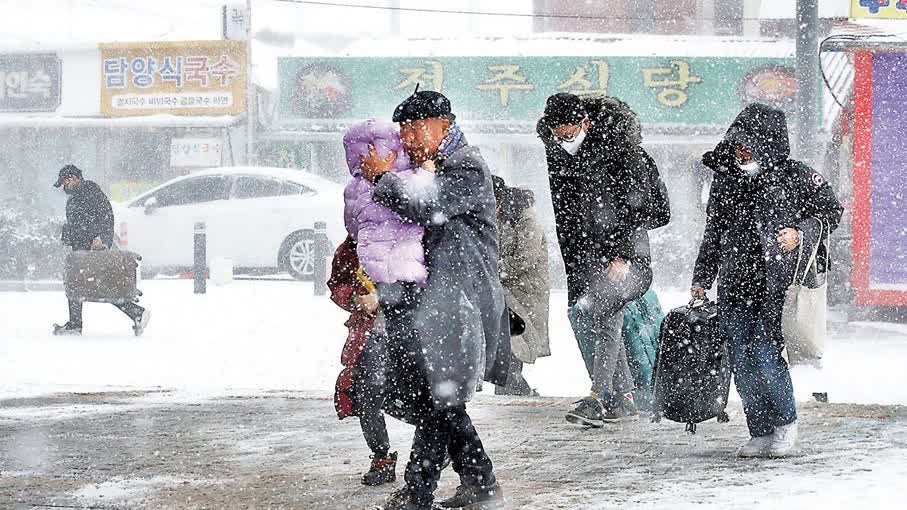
<point>572,147</point>
<point>751,169</point>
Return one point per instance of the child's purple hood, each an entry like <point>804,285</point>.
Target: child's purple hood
<point>383,135</point>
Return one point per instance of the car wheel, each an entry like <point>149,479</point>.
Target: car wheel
<point>298,255</point>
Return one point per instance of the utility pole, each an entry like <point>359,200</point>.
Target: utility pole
<point>394,12</point>
<point>251,103</point>
<point>807,79</point>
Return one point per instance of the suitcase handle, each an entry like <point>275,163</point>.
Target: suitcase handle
<point>698,302</point>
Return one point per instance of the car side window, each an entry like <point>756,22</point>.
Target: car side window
<point>255,187</point>
<point>288,188</point>
<point>196,190</point>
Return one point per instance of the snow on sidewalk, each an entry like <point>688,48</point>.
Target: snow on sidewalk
<point>254,336</point>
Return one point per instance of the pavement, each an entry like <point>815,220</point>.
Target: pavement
<point>287,450</point>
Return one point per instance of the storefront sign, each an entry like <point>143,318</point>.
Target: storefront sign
<point>236,22</point>
<point>879,9</point>
<point>195,152</point>
<point>679,90</point>
<point>879,274</point>
<point>180,78</point>
<point>30,82</point>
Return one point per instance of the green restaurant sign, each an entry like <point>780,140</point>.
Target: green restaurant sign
<point>681,90</point>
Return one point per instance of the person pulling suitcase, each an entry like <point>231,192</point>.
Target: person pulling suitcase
<point>762,206</point>
<point>89,227</point>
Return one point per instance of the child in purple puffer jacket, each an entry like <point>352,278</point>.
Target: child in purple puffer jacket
<point>389,248</point>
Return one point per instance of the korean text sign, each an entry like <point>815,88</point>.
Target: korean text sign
<point>30,82</point>
<point>180,78</point>
<point>195,152</point>
<point>681,90</point>
<point>879,9</point>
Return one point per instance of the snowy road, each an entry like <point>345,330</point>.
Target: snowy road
<point>224,404</point>
<point>284,451</point>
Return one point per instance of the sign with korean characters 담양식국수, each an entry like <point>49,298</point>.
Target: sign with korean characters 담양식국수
<point>196,152</point>
<point>30,82</point>
<point>179,78</point>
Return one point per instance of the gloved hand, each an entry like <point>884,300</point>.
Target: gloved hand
<point>720,157</point>
<point>97,244</point>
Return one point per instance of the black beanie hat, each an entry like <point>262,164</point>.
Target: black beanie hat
<point>563,109</point>
<point>425,104</point>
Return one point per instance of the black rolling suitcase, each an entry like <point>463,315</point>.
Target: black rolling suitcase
<point>103,276</point>
<point>692,369</point>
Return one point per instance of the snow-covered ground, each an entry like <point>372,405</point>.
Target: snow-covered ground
<point>255,336</point>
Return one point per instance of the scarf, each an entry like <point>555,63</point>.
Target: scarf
<point>453,141</point>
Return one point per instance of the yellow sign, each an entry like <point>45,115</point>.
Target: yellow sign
<point>178,78</point>
<point>878,9</point>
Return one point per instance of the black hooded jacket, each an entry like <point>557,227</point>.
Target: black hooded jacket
<point>600,195</point>
<point>88,216</point>
<point>744,215</point>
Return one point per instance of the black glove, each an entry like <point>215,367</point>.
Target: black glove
<point>722,156</point>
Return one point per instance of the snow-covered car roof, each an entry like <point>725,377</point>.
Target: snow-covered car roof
<point>287,174</point>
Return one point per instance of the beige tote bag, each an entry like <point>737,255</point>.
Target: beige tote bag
<point>803,321</point>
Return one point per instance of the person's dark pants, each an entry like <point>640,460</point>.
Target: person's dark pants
<point>442,431</point>
<point>755,342</point>
<point>516,383</point>
<point>131,309</point>
<point>438,431</point>
<point>370,395</point>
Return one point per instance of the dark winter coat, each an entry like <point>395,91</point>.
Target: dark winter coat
<point>600,195</point>
<point>88,216</point>
<point>524,270</point>
<point>461,321</point>
<point>745,215</point>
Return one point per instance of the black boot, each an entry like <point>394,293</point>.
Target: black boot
<point>476,498</point>
<point>404,499</point>
<point>383,470</point>
<point>68,329</point>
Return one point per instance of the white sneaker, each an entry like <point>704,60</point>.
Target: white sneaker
<point>783,441</point>
<point>142,322</point>
<point>755,447</point>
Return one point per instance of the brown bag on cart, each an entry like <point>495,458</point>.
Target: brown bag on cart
<point>102,276</point>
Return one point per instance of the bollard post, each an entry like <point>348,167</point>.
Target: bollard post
<point>321,253</point>
<point>200,255</point>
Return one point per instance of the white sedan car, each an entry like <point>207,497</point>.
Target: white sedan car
<point>259,218</point>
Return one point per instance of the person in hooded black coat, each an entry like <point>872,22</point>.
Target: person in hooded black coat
<point>600,187</point>
<point>762,206</point>
<point>89,226</point>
